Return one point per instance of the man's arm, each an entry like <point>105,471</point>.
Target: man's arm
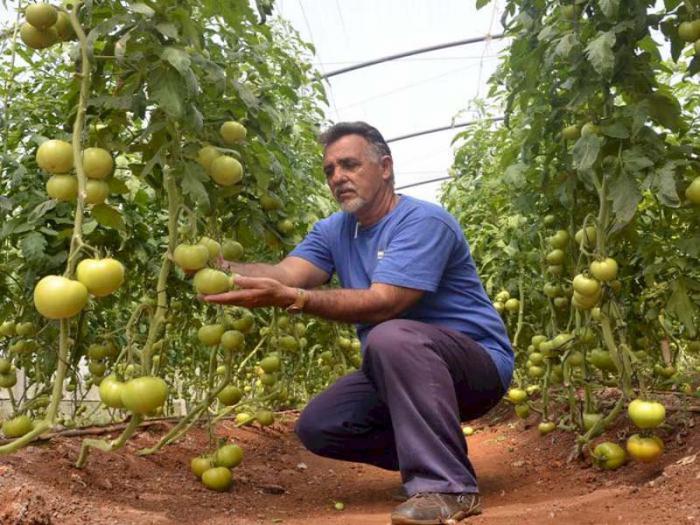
<point>290,271</point>
<point>378,303</point>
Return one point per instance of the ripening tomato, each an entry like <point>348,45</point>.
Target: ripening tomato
<point>96,191</point>
<point>232,132</point>
<point>111,392</point>
<point>586,286</point>
<point>208,281</point>
<point>63,188</point>
<point>206,155</point>
<point>191,256</point>
<point>516,395</point>
<point>210,334</point>
<point>100,276</point>
<point>97,163</point>
<point>213,247</point>
<point>605,270</point>
<point>646,414</point>
<point>226,171</point>
<point>692,192</point>
<point>63,27</point>
<point>40,15</point>
<point>144,394</point>
<point>55,156</point>
<point>56,297</point>
<point>645,449</point>
<point>232,250</point>
<point>38,38</point>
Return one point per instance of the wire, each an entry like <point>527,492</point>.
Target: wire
<point>408,86</point>
<point>311,35</point>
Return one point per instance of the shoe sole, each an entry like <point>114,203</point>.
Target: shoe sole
<point>400,520</point>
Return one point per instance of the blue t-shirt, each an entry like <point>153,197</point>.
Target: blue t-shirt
<point>421,246</point>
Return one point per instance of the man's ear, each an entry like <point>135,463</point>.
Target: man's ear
<point>387,164</point>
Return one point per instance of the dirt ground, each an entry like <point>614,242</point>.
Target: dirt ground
<point>524,479</point>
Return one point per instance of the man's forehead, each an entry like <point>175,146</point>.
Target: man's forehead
<point>346,147</point>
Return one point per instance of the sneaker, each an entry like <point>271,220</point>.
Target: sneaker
<point>432,508</point>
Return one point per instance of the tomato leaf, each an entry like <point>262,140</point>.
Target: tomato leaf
<point>625,196</point>
<point>664,183</point>
<point>177,58</point>
<point>514,175</point>
<point>585,151</point>
<point>616,130</point>
<point>193,187</point>
<point>609,7</point>
<point>600,53</point>
<point>33,246</point>
<point>166,89</point>
<point>680,305</point>
<point>142,9</point>
<point>107,216</point>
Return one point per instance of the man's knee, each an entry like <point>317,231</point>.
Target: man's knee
<point>311,432</point>
<point>393,339</point>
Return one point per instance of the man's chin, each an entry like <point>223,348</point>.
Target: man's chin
<point>353,205</point>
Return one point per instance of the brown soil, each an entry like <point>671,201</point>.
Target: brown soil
<point>524,479</point>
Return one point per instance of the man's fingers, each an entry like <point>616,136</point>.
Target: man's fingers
<point>237,297</point>
<point>254,282</point>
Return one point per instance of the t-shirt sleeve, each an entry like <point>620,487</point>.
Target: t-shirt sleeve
<point>316,249</point>
<point>416,255</point>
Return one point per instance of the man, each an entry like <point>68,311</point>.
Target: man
<point>435,352</point>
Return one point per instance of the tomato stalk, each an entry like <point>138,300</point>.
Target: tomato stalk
<point>156,325</point>
<point>108,446</point>
<point>521,311</point>
<point>9,87</point>
<point>193,416</point>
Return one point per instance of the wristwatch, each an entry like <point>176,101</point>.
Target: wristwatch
<point>298,305</point>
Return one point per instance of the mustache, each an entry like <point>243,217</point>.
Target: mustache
<point>341,189</point>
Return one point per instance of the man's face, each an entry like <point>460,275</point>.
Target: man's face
<point>354,172</point>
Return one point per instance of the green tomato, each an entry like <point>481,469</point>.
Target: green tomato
<point>605,270</point>
<point>210,334</point>
<point>200,465</point>
<point>143,395</point>
<point>609,455</point>
<point>230,395</point>
<point>17,426</point>
<point>516,395</point>
<point>646,414</point>
<point>217,478</point>
<point>228,456</point>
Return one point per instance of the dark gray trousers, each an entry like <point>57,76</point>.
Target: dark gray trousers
<point>402,410</point>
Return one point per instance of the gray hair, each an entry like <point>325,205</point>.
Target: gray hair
<point>364,130</point>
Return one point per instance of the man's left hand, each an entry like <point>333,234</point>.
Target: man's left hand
<point>255,292</point>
